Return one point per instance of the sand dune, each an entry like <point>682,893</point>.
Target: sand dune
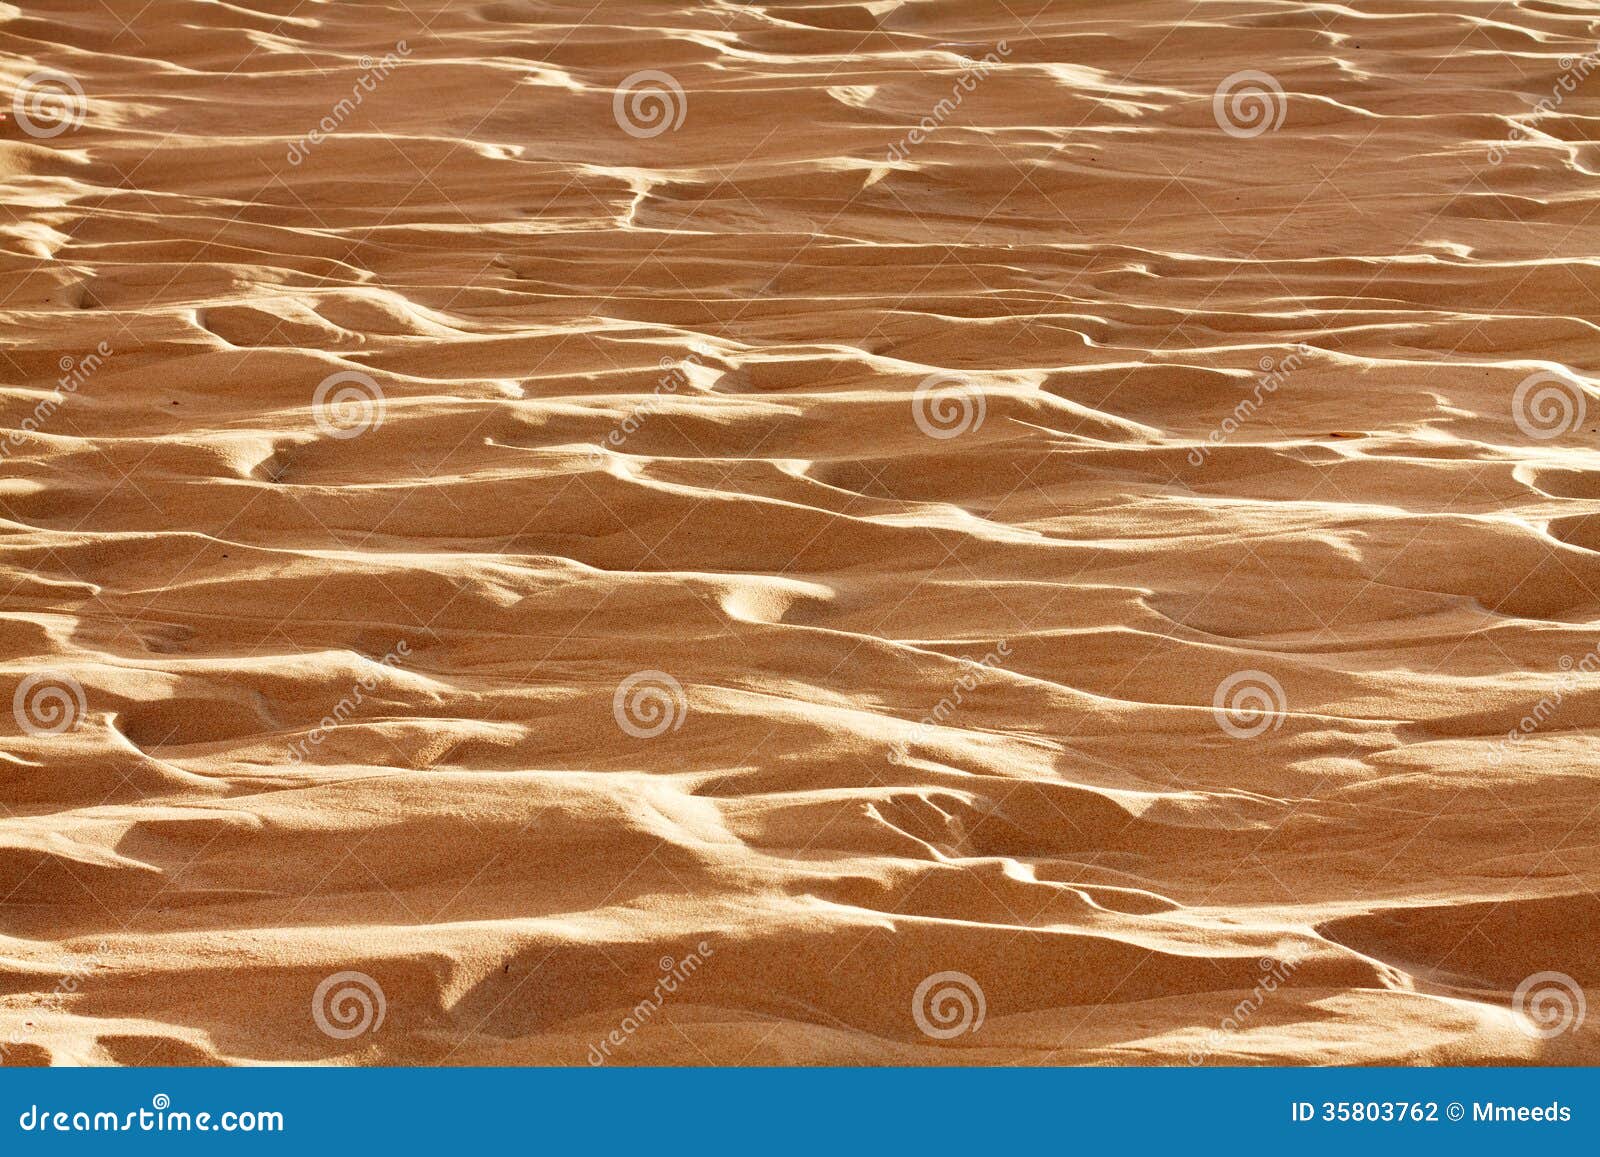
<point>912,531</point>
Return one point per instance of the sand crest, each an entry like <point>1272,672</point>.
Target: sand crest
<point>921,531</point>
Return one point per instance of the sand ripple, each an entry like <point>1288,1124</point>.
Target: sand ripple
<point>910,532</point>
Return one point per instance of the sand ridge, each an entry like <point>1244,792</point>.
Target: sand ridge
<point>902,532</point>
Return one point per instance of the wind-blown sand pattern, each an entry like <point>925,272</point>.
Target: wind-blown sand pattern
<point>912,532</point>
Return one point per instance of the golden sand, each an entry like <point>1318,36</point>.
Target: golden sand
<point>910,531</point>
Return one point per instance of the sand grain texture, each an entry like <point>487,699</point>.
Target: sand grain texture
<point>886,515</point>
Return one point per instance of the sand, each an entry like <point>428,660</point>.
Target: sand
<point>902,532</point>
